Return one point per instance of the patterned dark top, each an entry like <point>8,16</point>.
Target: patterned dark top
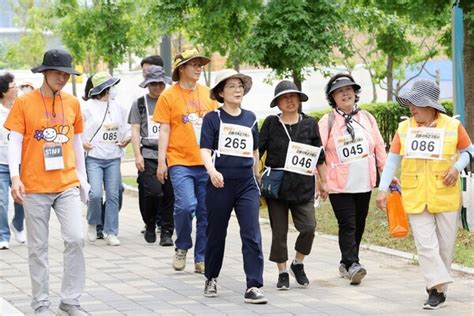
<point>274,141</point>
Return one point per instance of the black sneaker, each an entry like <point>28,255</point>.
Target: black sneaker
<point>435,300</point>
<point>165,239</point>
<point>210,288</point>
<point>255,296</point>
<point>297,271</point>
<point>150,236</point>
<point>100,235</point>
<point>283,281</point>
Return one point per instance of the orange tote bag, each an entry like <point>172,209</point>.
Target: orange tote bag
<point>397,219</point>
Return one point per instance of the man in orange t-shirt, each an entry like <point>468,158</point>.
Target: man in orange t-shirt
<point>46,127</point>
<point>179,111</point>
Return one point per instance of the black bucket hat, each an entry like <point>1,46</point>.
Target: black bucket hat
<point>285,87</point>
<point>423,93</point>
<point>56,59</point>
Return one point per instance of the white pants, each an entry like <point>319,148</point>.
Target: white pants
<point>67,206</point>
<point>435,236</point>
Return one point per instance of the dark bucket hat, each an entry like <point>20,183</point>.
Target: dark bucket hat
<point>102,81</point>
<point>424,93</point>
<point>56,59</point>
<point>154,74</point>
<point>285,87</point>
<point>186,56</point>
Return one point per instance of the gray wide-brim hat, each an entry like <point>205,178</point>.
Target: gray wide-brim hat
<point>424,93</point>
<point>102,81</point>
<point>56,59</point>
<point>185,57</point>
<point>285,87</point>
<point>225,74</point>
<point>154,73</point>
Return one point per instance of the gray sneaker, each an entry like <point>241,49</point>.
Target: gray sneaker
<point>179,261</point>
<point>42,311</point>
<point>71,310</point>
<point>356,273</point>
<point>343,271</point>
<point>210,288</point>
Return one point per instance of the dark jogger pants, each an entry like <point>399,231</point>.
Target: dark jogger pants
<point>241,195</point>
<point>351,211</point>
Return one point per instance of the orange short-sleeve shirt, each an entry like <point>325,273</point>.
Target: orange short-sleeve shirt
<point>174,107</point>
<point>33,116</point>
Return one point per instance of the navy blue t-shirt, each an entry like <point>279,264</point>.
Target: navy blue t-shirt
<point>231,167</point>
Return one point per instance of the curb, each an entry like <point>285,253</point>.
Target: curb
<point>384,250</point>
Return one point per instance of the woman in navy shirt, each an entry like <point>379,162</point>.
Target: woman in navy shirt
<point>229,150</point>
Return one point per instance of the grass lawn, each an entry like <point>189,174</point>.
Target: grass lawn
<point>376,232</point>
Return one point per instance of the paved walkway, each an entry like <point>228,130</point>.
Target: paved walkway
<point>136,278</point>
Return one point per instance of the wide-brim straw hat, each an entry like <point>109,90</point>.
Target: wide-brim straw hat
<point>186,56</point>
<point>285,87</point>
<point>56,59</point>
<point>102,81</point>
<point>423,93</point>
<point>225,74</point>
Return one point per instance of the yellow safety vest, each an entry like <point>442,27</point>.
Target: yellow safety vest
<point>422,179</point>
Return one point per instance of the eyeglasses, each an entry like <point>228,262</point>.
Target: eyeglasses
<point>194,65</point>
<point>234,86</point>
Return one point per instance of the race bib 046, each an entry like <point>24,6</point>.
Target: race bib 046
<point>301,158</point>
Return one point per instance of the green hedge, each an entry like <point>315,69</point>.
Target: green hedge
<point>388,116</point>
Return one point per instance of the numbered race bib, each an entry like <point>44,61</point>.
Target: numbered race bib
<point>235,140</point>
<point>349,150</point>
<point>153,129</point>
<point>108,133</point>
<point>301,158</point>
<point>53,156</point>
<point>424,143</point>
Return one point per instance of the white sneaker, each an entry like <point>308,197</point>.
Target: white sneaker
<point>4,245</point>
<point>19,236</point>
<point>91,233</point>
<point>112,240</point>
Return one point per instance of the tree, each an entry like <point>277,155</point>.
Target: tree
<point>33,18</point>
<point>401,35</point>
<point>294,34</point>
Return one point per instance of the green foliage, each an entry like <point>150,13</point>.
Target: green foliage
<point>388,115</point>
<point>292,35</point>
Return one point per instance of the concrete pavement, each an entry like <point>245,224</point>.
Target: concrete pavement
<point>136,278</point>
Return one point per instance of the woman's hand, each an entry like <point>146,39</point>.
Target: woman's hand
<point>381,200</point>
<point>216,178</point>
<point>323,190</point>
<point>87,146</point>
<point>450,177</point>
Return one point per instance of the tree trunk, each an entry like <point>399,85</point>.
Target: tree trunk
<point>111,68</point>
<point>389,78</point>
<point>129,61</point>
<point>374,87</point>
<point>74,86</point>
<point>298,82</point>
<point>237,64</point>
<point>468,52</point>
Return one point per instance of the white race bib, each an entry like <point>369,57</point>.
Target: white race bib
<point>424,143</point>
<point>349,150</point>
<point>108,133</point>
<point>53,156</point>
<point>301,158</point>
<point>235,140</point>
<point>153,129</point>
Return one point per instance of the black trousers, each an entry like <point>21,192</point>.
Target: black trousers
<point>304,219</point>
<point>351,211</point>
<point>154,199</point>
